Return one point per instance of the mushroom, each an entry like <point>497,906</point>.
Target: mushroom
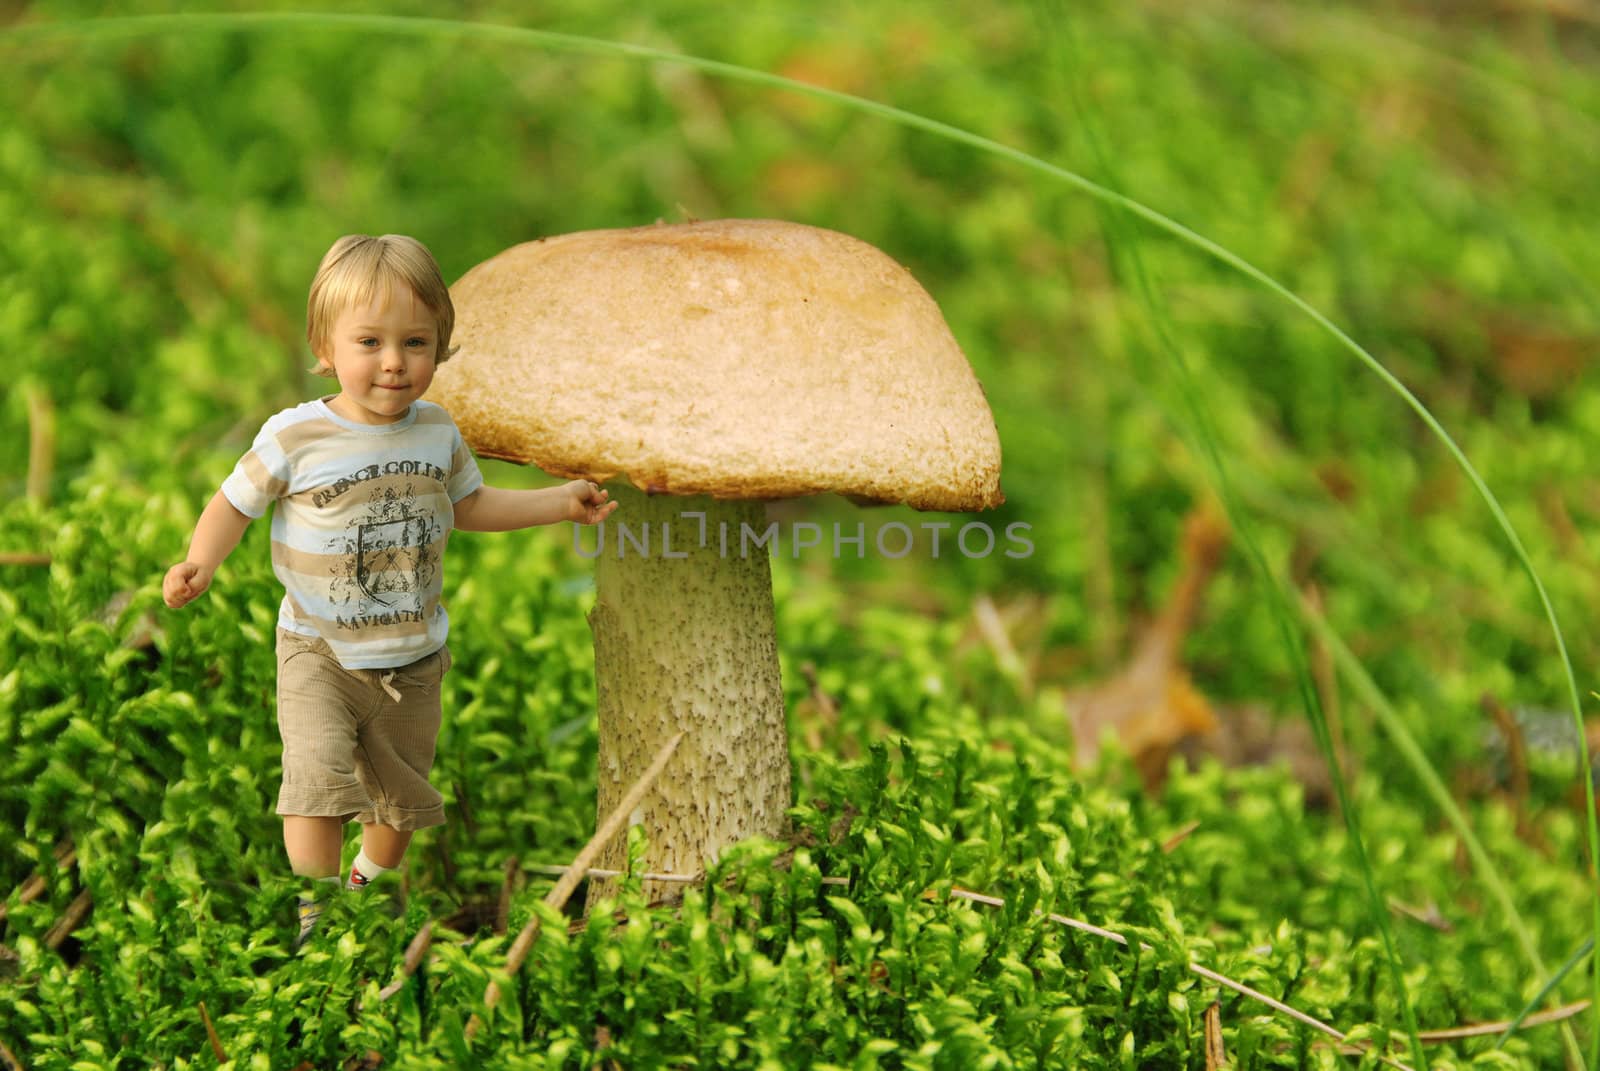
<point>715,365</point>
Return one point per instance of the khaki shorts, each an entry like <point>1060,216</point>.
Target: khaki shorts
<point>350,748</point>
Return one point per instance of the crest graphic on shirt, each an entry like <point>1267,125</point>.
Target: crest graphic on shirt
<point>390,554</point>
<point>387,556</point>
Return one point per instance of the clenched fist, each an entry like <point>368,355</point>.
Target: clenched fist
<point>184,583</point>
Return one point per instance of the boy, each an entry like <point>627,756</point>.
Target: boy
<point>368,484</point>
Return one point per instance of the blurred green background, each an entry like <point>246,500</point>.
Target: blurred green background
<point>1424,176</point>
<point>1424,179</point>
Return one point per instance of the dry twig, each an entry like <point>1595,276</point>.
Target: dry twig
<point>1172,842</point>
<point>1204,972</point>
<point>69,920</point>
<point>1100,581</point>
<point>574,872</point>
<point>1077,924</point>
<point>34,887</point>
<point>41,443</point>
<point>415,951</point>
<point>1216,1056</point>
<point>464,805</point>
<point>446,860</point>
<point>502,914</point>
<point>558,896</point>
<point>1428,916</point>
<point>827,710</point>
<point>1478,1030</point>
<point>993,631</point>
<point>958,893</point>
<point>211,1033</point>
<point>781,863</point>
<point>995,901</point>
<point>685,879</point>
<point>1327,683</point>
<point>18,557</point>
<point>1517,757</point>
<point>10,1058</point>
<point>556,870</point>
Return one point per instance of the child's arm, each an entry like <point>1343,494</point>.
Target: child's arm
<point>216,533</point>
<point>498,509</point>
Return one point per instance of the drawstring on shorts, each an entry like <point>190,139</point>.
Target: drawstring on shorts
<point>386,680</point>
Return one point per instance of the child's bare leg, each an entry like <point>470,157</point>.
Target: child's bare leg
<point>314,844</point>
<point>382,848</point>
<point>385,845</point>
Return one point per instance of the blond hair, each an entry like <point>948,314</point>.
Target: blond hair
<point>358,268</point>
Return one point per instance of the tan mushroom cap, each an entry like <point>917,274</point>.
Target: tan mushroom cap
<point>734,358</point>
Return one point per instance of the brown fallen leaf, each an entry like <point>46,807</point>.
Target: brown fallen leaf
<point>1157,712</point>
<point>1152,703</point>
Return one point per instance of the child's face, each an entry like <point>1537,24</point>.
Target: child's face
<point>383,356</point>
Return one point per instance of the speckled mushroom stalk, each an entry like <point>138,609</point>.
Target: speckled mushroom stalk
<point>684,639</point>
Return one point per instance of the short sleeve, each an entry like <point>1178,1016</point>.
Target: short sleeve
<point>464,475</point>
<point>261,477</point>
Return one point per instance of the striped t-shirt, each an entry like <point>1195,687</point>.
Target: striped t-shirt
<point>358,538</point>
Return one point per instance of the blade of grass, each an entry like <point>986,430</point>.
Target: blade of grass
<point>1368,692</point>
<point>1565,969</point>
<point>1201,418</point>
<point>112,28</point>
<point>1406,745</point>
<point>1124,246</point>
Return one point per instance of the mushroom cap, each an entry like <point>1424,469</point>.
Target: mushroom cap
<point>731,358</point>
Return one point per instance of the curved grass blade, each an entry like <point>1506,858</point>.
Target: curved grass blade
<point>1202,434</point>
<point>1406,744</point>
<point>119,27</point>
<point>1577,957</point>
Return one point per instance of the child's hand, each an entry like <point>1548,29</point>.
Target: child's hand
<point>588,503</point>
<point>185,582</point>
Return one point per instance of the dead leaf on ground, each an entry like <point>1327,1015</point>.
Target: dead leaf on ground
<point>1152,703</point>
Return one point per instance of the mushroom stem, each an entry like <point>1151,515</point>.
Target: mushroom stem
<point>684,641</point>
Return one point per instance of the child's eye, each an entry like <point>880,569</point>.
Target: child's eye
<point>416,342</point>
<point>368,342</point>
